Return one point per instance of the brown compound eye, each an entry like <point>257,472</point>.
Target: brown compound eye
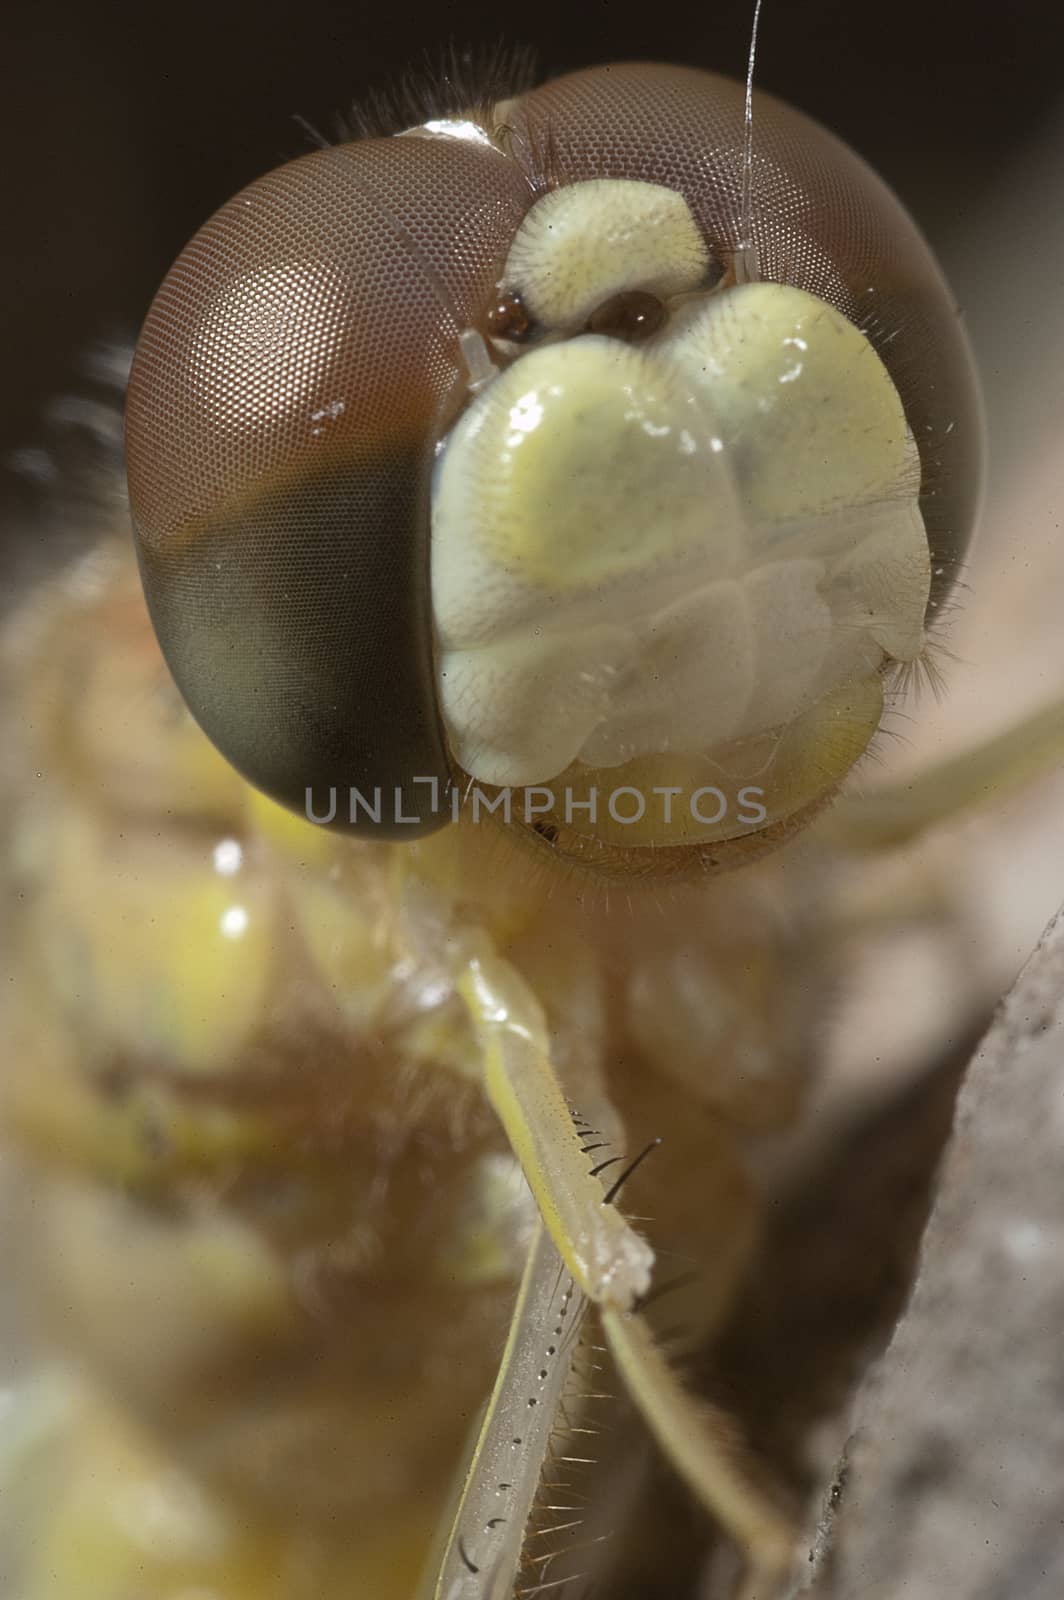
<point>630,316</point>
<point>293,375</point>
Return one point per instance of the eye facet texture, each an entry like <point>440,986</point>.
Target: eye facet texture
<point>302,362</point>
<point>292,375</point>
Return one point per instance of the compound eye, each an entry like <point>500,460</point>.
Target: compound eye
<point>291,380</point>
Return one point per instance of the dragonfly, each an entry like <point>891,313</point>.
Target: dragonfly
<point>437,886</point>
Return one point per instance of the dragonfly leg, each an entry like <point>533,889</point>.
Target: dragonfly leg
<point>608,1260</point>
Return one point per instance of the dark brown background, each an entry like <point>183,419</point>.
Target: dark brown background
<point>125,126</point>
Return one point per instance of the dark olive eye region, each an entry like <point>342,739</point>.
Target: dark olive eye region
<point>306,357</point>
<point>267,677</point>
<point>632,316</point>
<point>289,382</point>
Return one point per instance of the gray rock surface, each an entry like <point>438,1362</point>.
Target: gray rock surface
<point>955,1485</point>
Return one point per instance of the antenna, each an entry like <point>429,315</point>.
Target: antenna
<point>746,265</point>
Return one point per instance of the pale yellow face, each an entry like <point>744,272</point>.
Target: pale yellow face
<point>681,560</point>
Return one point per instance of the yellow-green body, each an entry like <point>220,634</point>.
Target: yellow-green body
<point>266,1213</point>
